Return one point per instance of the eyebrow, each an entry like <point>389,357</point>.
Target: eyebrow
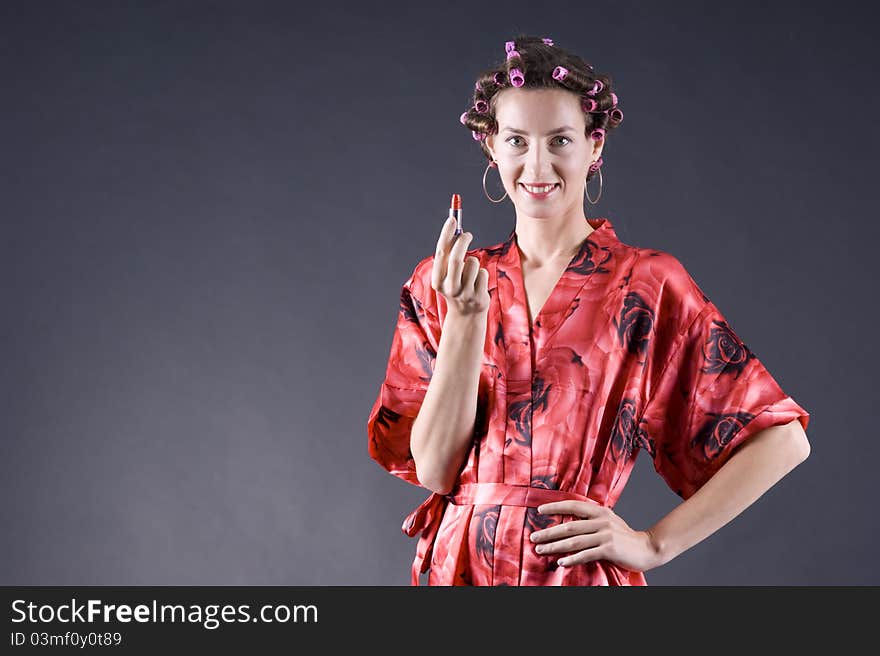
<point>557,130</point>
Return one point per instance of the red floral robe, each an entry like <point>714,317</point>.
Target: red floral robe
<point>626,354</point>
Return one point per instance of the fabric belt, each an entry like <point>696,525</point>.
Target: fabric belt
<point>427,517</point>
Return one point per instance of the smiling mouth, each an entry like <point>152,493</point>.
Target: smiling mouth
<point>542,193</point>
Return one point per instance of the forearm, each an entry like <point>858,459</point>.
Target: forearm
<point>751,470</point>
<point>442,431</point>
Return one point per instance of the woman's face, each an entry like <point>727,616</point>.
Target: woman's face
<point>529,149</point>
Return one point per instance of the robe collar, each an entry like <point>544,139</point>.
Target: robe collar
<point>521,339</point>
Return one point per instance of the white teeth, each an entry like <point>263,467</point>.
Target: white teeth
<point>539,190</point>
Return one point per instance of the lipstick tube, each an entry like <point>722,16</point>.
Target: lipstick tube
<point>455,212</point>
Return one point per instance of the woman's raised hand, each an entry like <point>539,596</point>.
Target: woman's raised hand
<point>463,283</point>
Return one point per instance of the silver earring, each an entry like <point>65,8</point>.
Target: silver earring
<point>491,165</point>
<point>586,192</point>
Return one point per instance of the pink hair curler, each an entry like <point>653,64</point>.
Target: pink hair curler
<point>616,113</point>
<point>598,133</point>
<point>509,45</point>
<point>512,53</point>
<point>479,136</point>
<point>559,73</point>
<point>516,77</point>
<point>597,87</point>
<point>548,42</point>
<point>614,99</point>
<point>499,78</point>
<point>463,118</point>
<point>589,104</point>
<point>481,106</point>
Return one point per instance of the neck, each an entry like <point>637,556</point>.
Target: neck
<point>545,241</point>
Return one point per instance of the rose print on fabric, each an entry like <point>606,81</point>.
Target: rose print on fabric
<point>408,305</point>
<point>487,522</point>
<point>724,351</point>
<point>718,431</point>
<point>623,431</point>
<point>590,258</point>
<point>536,521</point>
<point>387,421</point>
<point>644,441</point>
<point>564,367</point>
<point>539,394</point>
<point>498,340</point>
<point>635,324</point>
<point>520,414</point>
<point>425,353</point>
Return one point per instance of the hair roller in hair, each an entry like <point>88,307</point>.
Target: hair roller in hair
<point>559,73</point>
<point>516,77</point>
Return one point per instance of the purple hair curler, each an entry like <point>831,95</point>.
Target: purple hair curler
<point>548,42</point>
<point>559,73</point>
<point>509,45</point>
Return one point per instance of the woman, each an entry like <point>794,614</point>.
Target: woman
<point>525,377</point>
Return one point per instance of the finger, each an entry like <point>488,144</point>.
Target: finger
<point>570,507</point>
<point>456,262</point>
<point>482,283</point>
<point>444,241</point>
<point>596,552</point>
<point>565,529</point>
<point>469,272</point>
<point>574,543</point>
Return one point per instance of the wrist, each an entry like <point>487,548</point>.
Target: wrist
<point>466,319</point>
<point>657,547</point>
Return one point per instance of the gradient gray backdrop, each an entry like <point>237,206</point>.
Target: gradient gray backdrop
<point>209,208</point>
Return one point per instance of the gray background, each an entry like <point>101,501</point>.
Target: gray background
<point>209,208</point>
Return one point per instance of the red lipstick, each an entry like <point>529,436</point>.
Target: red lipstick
<point>455,212</point>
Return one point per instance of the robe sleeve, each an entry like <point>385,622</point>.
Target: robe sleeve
<point>712,394</point>
<point>410,368</point>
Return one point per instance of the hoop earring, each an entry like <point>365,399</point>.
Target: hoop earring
<point>587,194</point>
<point>492,164</point>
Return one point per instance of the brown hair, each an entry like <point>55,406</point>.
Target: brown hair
<point>536,60</point>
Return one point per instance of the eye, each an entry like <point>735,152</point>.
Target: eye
<point>567,140</point>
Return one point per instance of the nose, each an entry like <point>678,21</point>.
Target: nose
<point>537,165</point>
